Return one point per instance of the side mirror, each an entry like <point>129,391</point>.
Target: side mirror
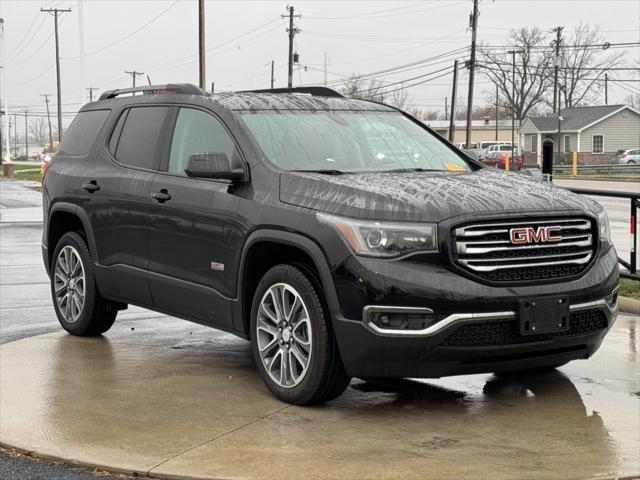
<point>212,165</point>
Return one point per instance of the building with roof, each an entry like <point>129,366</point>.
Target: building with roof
<point>481,130</point>
<point>595,133</point>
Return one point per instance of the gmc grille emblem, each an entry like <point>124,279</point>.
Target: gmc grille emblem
<point>534,235</point>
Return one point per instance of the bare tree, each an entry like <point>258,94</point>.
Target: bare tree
<point>532,72</point>
<point>633,100</point>
<point>372,89</point>
<point>583,65</point>
<point>357,87</point>
<point>38,132</point>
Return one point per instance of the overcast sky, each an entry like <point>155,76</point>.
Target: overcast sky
<point>159,37</point>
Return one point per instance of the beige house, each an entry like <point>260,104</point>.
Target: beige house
<point>595,133</point>
<point>481,130</point>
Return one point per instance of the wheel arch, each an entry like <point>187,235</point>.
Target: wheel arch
<point>266,248</point>
<point>65,217</point>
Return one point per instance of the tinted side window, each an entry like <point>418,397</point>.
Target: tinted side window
<point>197,132</point>
<point>82,132</point>
<point>140,136</point>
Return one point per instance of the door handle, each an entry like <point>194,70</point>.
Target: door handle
<point>91,186</point>
<point>161,196</point>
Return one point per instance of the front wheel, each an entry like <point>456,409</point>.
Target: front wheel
<point>80,308</point>
<point>292,338</point>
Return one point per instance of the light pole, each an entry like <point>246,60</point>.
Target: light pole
<point>513,98</point>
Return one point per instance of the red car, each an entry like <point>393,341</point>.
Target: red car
<point>498,160</point>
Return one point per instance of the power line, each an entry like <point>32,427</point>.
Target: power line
<point>128,36</point>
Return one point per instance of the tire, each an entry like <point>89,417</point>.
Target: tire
<point>81,315</point>
<point>300,312</point>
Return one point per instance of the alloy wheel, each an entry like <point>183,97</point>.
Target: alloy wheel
<point>69,283</point>
<point>283,333</point>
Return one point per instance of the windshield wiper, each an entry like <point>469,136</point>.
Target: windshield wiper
<point>325,171</point>
<point>415,169</point>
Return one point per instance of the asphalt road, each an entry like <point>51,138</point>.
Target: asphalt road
<point>25,303</point>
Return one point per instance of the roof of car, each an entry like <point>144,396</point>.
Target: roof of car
<point>299,98</point>
<point>293,101</point>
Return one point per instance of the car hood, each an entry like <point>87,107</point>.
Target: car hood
<point>427,196</point>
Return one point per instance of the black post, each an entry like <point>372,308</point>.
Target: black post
<point>272,77</point>
<point>497,112</point>
<point>606,89</point>
<point>472,67</point>
<point>556,94</point>
<point>201,45</point>
<point>26,135</point>
<point>452,125</point>
<point>291,34</point>
<point>513,101</point>
<point>634,237</point>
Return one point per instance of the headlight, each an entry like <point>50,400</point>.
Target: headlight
<point>383,239</point>
<point>603,226</point>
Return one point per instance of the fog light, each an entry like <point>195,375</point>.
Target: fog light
<point>403,321</point>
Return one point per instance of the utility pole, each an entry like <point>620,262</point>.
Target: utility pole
<point>513,98</point>
<point>606,88</point>
<point>556,93</point>
<point>91,89</point>
<point>26,135</point>
<point>5,110</point>
<point>326,61</point>
<point>446,109</point>
<point>292,30</point>
<point>56,13</point>
<point>15,136</point>
<point>472,68</point>
<point>273,79</point>
<point>452,117</point>
<point>497,117</point>
<point>46,101</point>
<point>201,50</point>
<point>134,74</point>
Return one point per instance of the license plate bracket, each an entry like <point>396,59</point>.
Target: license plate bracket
<point>546,315</point>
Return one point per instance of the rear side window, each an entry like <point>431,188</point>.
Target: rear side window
<point>83,132</point>
<point>140,136</point>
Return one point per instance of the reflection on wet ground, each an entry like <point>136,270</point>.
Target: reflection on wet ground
<point>178,399</point>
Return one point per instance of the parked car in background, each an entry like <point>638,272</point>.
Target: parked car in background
<point>626,157</point>
<point>498,159</point>
<point>506,147</point>
<point>483,147</point>
<point>463,146</point>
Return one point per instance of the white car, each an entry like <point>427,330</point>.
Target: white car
<point>627,157</point>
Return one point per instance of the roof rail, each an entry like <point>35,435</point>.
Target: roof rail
<point>316,91</point>
<point>168,89</point>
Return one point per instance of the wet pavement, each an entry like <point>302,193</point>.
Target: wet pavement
<point>170,398</point>
<point>160,395</point>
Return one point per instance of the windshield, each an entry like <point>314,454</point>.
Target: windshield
<point>348,141</point>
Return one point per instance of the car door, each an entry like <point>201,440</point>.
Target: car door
<point>194,227</point>
<point>120,204</point>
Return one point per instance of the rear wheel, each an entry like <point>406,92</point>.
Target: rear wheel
<point>80,308</point>
<point>292,339</point>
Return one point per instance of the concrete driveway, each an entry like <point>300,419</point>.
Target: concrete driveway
<point>164,397</point>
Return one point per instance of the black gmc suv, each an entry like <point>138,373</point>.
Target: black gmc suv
<point>341,236</point>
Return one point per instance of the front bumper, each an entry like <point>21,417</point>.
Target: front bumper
<point>466,343</point>
<point>477,329</point>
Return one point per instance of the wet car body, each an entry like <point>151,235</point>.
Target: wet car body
<point>452,320</point>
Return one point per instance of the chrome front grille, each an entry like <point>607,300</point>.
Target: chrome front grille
<point>488,249</point>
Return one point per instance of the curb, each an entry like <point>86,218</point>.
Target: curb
<point>629,305</point>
